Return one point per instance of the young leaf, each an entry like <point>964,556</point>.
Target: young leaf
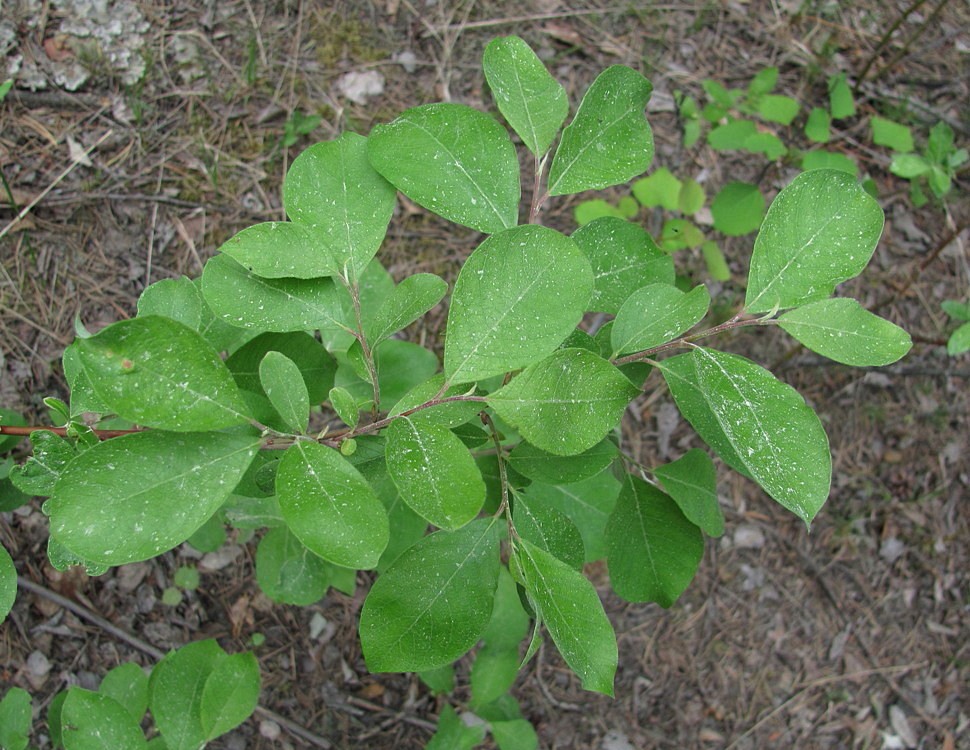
<point>818,125</point>
<point>15,719</point>
<point>496,664</point>
<point>44,466</point>
<point>691,197</point>
<point>91,721</point>
<point>959,340</point>
<point>842,330</point>
<point>573,614</point>
<point>819,159</point>
<point>659,189</point>
<point>609,141</point>
<point>230,694</point>
<point>334,192</point>
<point>330,507</point>
<point>453,160</point>
<point>654,550</point>
<point>118,503</point>
<point>454,734</point>
<point>541,466</point>
<point>841,103</point>
<point>596,208</point>
<point>691,481</point>
<point>732,136</point>
<point>714,259</point>
<point>8,583</point>
<point>624,258</point>
<point>434,602</point>
<point>780,109</point>
<point>514,734</point>
<point>410,299</point>
<point>548,529</point>
<point>156,372</point>
<point>656,314</point>
<point>281,249</point>
<point>533,102</point>
<point>891,134</point>
<point>820,231</point>
<point>566,403</point>
<point>243,299</point>
<point>314,362</point>
<point>175,691</point>
<point>758,425</point>
<point>518,296</point>
<point>434,472</point>
<point>738,208</point>
<point>128,684</point>
<point>345,405</point>
<point>178,299</point>
<point>763,82</point>
<point>283,384</point>
<point>588,503</point>
<point>288,572</point>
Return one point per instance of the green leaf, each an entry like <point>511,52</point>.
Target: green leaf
<point>156,372</point>
<point>597,208</point>
<point>573,614</point>
<point>939,145</point>
<point>314,362</point>
<point>678,234</point>
<point>454,734</point>
<point>454,161</point>
<point>332,189</point>
<point>691,481</point>
<point>841,103</point>
<point>691,198</point>
<point>515,734</point>
<point>829,160</point>
<point>178,299</point>
<point>345,405</point>
<point>624,258</point>
<point>54,712</point>
<point>518,296</point>
<point>243,299</point>
<point>566,403</point>
<point>655,315</point>
<point>732,136</point>
<point>401,366</point>
<point>763,82</point>
<point>330,507</point>
<point>780,109</point>
<point>717,265</point>
<point>533,102</point>
<point>548,529</point>
<point>959,341</point>
<point>659,189</point>
<point>434,602</point>
<point>91,721</point>
<point>608,141</point>
<point>891,134</point>
<point>61,558</point>
<point>541,466</point>
<point>288,572</point>
<point>434,472</point>
<point>842,330</point>
<point>450,414</point>
<point>819,231</point>
<point>496,664</point>
<point>588,503</point>
<point>230,694</point>
<point>758,425</point>
<point>15,719</point>
<point>128,685</point>
<point>42,469</point>
<point>411,299</point>
<point>133,497</point>
<point>956,309</point>
<point>9,418</point>
<point>175,692</point>
<point>654,550</point>
<point>818,126</point>
<point>8,583</point>
<point>738,208</point>
<point>281,249</point>
<point>283,384</point>
<point>493,673</point>
<point>440,680</point>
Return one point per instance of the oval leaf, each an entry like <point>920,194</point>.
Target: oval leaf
<point>453,160</point>
<point>569,606</point>
<point>283,384</point>
<point>314,361</point>
<point>434,472</point>
<point>533,102</point>
<point>91,721</point>
<point>434,602</point>
<point>230,694</point>
<point>566,403</point>
<point>175,693</point>
<point>16,717</point>
<point>156,372</point>
<point>819,231</point>
<point>609,141</point>
<point>548,529</point>
<point>654,550</point>
<point>518,296</point>
<point>133,497</point>
<point>243,299</point>
<point>738,208</point>
<point>844,331</point>
<point>542,466</point>
<point>280,249</point>
<point>8,583</point>
<point>691,481</point>
<point>288,572</point>
<point>128,684</point>
<point>334,192</point>
<point>410,299</point>
<point>757,424</point>
<point>624,258</point>
<point>178,299</point>
<point>330,507</point>
<point>656,314</point>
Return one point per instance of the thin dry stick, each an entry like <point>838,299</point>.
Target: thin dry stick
<point>135,642</point>
<point>884,41</point>
<point>70,168</point>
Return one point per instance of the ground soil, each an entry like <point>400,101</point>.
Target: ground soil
<point>852,635</point>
